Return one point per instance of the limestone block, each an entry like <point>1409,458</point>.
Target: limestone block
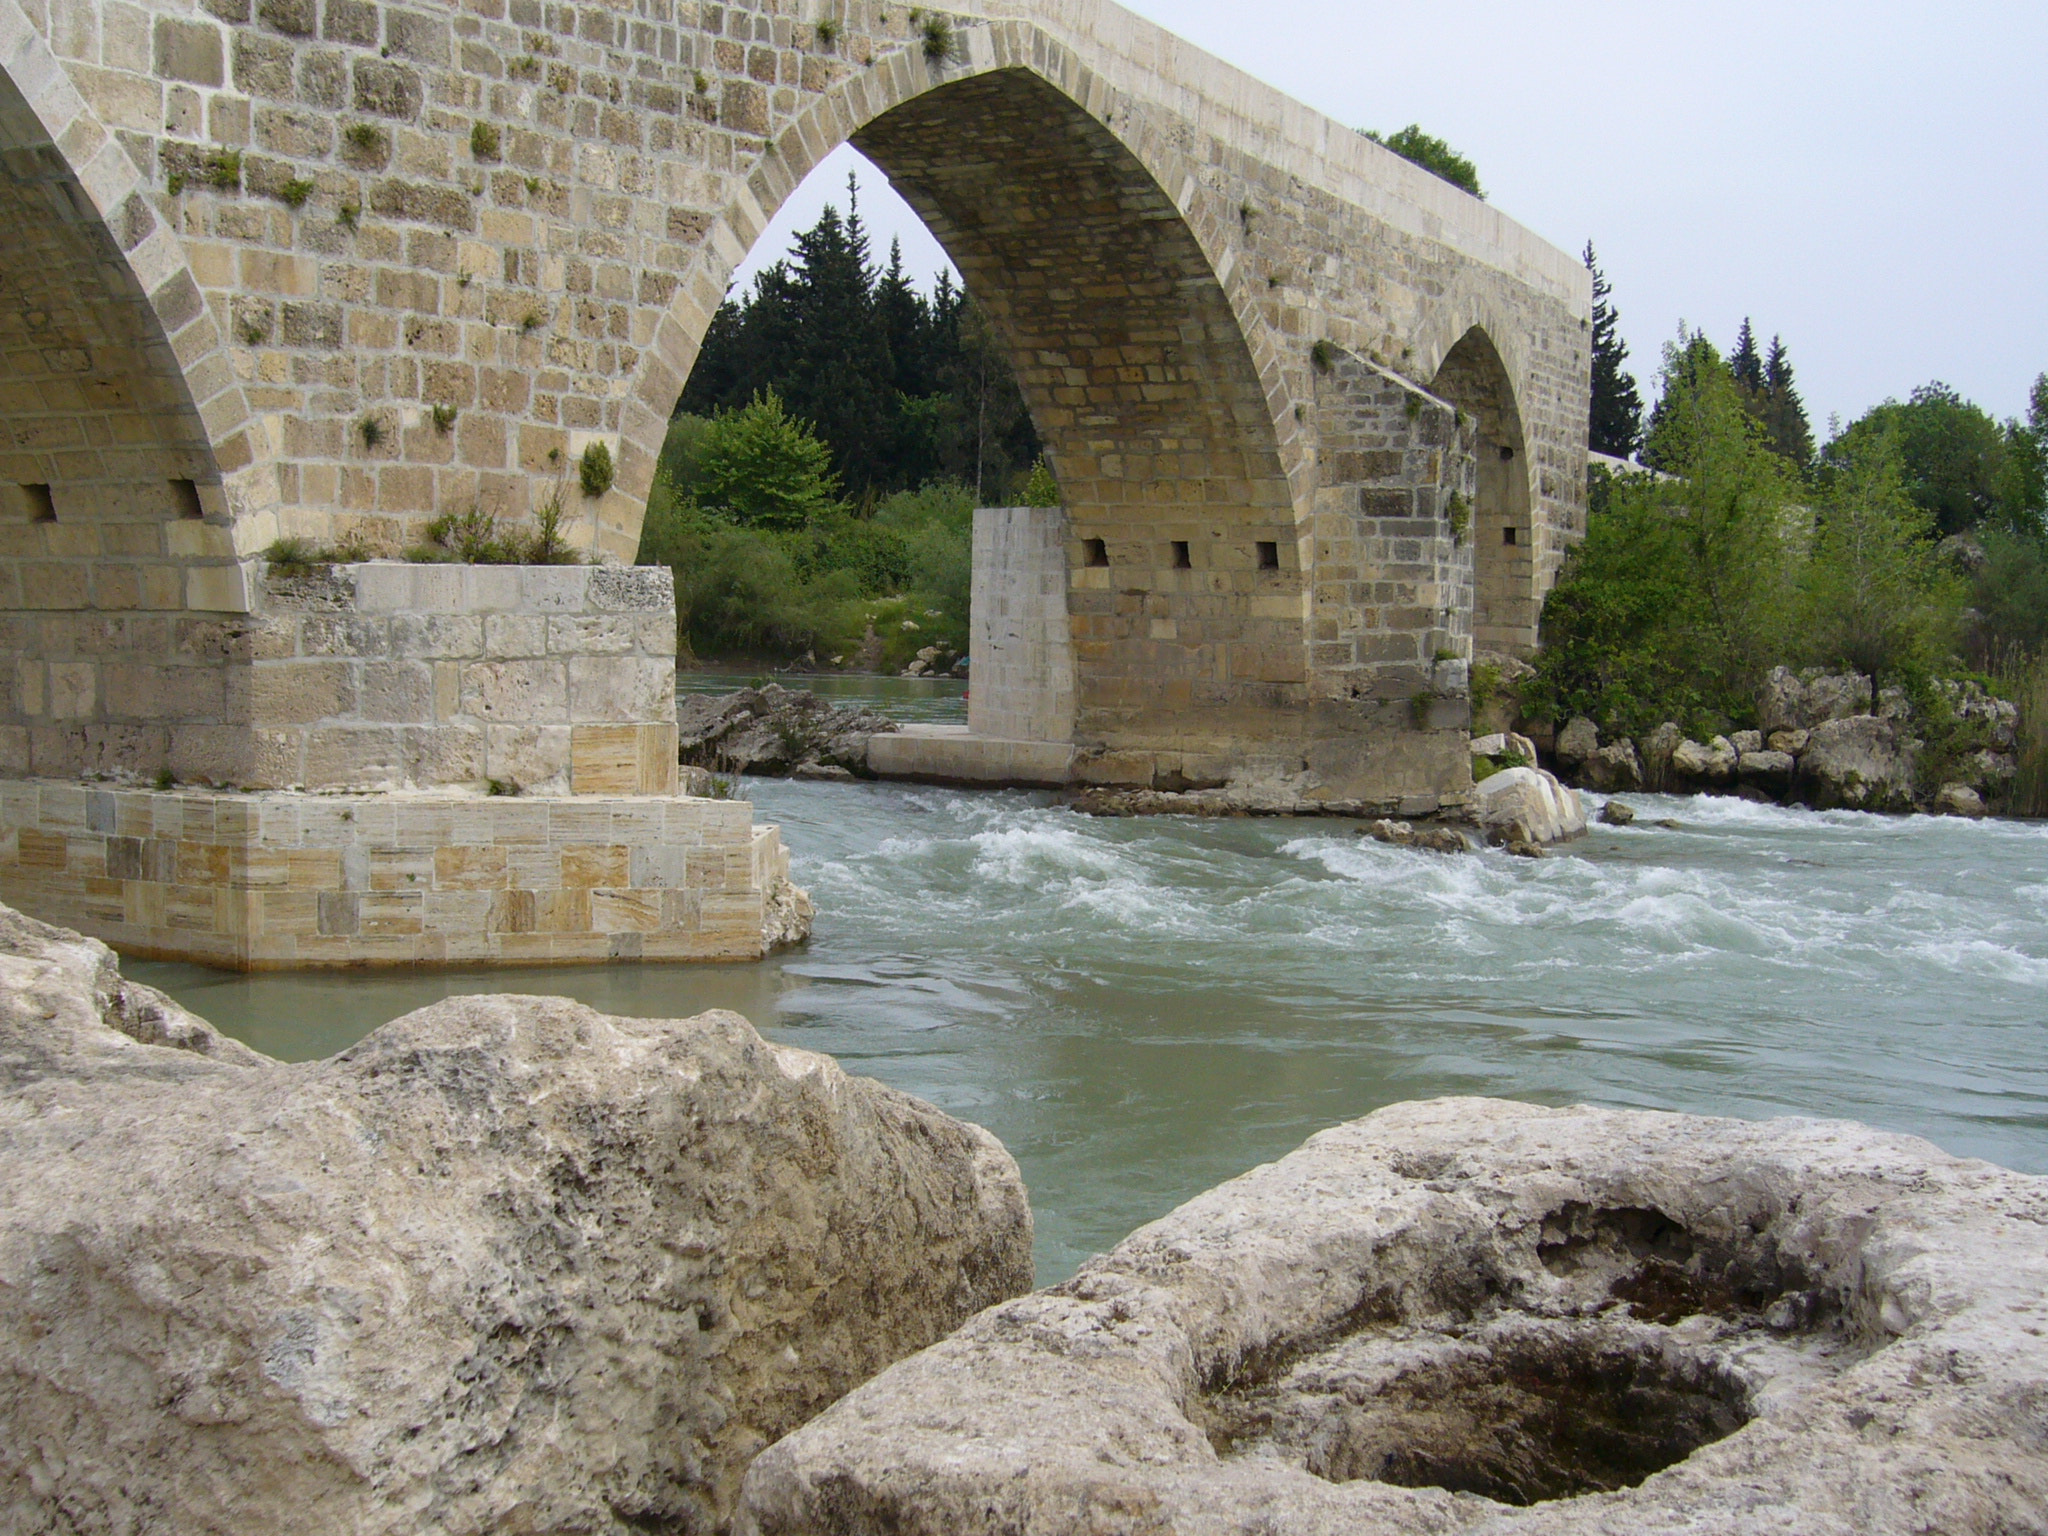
<point>516,692</point>
<point>621,688</point>
<point>1528,805</point>
<point>1469,1315</point>
<point>603,1382</point>
<point>535,757</point>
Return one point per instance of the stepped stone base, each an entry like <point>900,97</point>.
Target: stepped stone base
<point>953,754</point>
<point>286,879</point>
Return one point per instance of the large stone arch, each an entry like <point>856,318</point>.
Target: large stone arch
<point>1503,528</point>
<point>130,453</point>
<point>1139,349</point>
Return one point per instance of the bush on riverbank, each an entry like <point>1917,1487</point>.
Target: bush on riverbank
<point>771,563</point>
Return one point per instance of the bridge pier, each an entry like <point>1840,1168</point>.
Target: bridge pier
<point>394,764</point>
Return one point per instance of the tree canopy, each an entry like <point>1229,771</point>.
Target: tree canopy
<point>1615,425</point>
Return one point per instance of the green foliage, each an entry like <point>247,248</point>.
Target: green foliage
<point>594,472</point>
<point>165,779</point>
<point>1323,356</point>
<point>224,170</point>
<point>1878,598</point>
<point>293,556</point>
<point>483,141</point>
<point>905,389</point>
<point>2010,596</point>
<point>1040,488</point>
<point>1433,155</point>
<point>443,416</point>
<point>757,467</point>
<point>1683,592</point>
<point>1952,454</point>
<point>530,322</point>
<point>937,37</point>
<point>371,430</point>
<point>345,215</point>
<point>1459,513</point>
<point>826,30</point>
<point>293,194</point>
<point>476,537</point>
<point>364,138</point>
<point>175,183</point>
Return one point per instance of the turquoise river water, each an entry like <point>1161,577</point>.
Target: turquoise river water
<point>1141,1008</point>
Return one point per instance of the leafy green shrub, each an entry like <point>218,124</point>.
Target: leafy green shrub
<point>1041,489</point>
<point>595,470</point>
<point>483,141</point>
<point>1433,155</point>
<point>293,193</point>
<point>758,467</point>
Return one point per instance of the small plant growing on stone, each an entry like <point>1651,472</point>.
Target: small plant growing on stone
<point>443,417</point>
<point>1459,514</point>
<point>255,329</point>
<point>529,322</point>
<point>1040,488</point>
<point>1300,411</point>
<point>501,786</point>
<point>721,789</point>
<point>1419,708</point>
<point>1245,214</point>
<point>533,186</point>
<point>291,557</point>
<point>224,170</point>
<point>595,472</point>
<point>1412,405</point>
<point>165,779</point>
<point>472,537</point>
<point>364,138</point>
<point>525,67</point>
<point>1323,356</point>
<point>939,39</point>
<point>827,32</point>
<point>464,278</point>
<point>562,79</point>
<point>703,83</point>
<point>548,546</point>
<point>293,194</point>
<point>371,431</point>
<point>345,215</point>
<point>483,141</point>
<point>175,183</point>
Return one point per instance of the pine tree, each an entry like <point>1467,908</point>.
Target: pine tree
<point>1784,413</point>
<point>1745,366</point>
<point>1615,425</point>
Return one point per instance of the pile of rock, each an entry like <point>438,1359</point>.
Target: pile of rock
<point>1824,740</point>
<point>776,732</point>
<point>506,1265</point>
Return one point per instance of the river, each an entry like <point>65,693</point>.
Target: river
<point>1141,1008</point>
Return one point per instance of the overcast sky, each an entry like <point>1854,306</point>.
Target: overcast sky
<point>1868,180</point>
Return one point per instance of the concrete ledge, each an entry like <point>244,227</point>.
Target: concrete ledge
<point>282,880</point>
<point>952,754</point>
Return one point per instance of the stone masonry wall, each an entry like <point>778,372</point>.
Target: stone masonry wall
<point>1021,644</point>
<point>555,679</point>
<point>270,880</point>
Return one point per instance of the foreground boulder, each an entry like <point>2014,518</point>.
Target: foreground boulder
<point>1476,1316</point>
<point>776,731</point>
<point>1859,763</point>
<point>506,1265</point>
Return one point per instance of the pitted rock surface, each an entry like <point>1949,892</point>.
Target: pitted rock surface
<point>507,1265</point>
<point>775,731</point>
<point>1475,1316</point>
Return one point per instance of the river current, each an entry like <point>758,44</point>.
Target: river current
<point>1141,1008</point>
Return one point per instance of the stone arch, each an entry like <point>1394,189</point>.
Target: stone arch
<point>1473,377</point>
<point>129,453</point>
<point>1148,373</point>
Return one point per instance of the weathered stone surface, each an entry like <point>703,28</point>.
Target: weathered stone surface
<point>775,730</point>
<point>1769,770</point>
<point>1790,701</point>
<point>1791,743</point>
<point>1615,814</point>
<point>506,1265</point>
<point>1577,741</point>
<point>1859,763</point>
<point>1655,750</point>
<point>1527,805</point>
<point>1958,800</point>
<point>1427,839</point>
<point>1713,763</point>
<point>1621,1322</point>
<point>1612,767</point>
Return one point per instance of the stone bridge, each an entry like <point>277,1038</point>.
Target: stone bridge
<point>325,269</point>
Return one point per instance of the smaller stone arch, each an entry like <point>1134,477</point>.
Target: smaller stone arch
<point>1504,533</point>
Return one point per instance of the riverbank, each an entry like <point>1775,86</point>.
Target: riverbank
<point>1141,1008</point>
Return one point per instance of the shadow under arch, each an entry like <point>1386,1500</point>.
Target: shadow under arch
<point>1137,363</point>
<point>122,403</point>
<point>1505,606</point>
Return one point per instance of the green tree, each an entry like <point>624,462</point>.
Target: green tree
<point>1951,453</point>
<point>1433,155</point>
<point>1783,412</point>
<point>758,467</point>
<point>1746,364</point>
<point>2023,479</point>
<point>1682,594</point>
<point>1615,423</point>
<point>1878,598</point>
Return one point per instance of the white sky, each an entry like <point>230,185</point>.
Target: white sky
<point>1870,180</point>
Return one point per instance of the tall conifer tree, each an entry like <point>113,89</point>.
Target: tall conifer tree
<point>1616,423</point>
<point>1746,365</point>
<point>1784,413</point>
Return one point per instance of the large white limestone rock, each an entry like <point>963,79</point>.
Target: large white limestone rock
<point>1477,1316</point>
<point>1528,805</point>
<point>507,1265</point>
